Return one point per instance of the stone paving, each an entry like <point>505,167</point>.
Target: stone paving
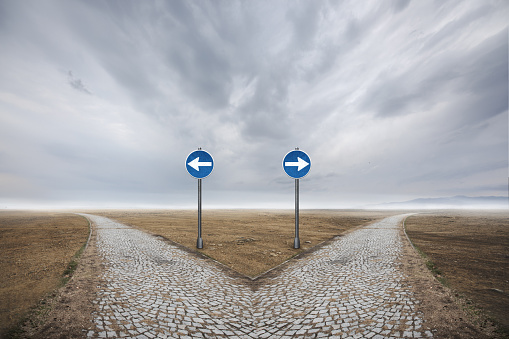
<point>351,288</point>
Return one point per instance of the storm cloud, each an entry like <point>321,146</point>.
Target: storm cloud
<point>101,102</point>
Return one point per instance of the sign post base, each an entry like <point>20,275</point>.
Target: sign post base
<point>296,243</point>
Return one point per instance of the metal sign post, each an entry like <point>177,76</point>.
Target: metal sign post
<point>199,164</point>
<point>297,165</point>
<point>296,241</point>
<point>199,242</point>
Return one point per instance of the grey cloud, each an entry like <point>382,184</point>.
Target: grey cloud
<point>361,27</point>
<point>77,83</point>
<point>116,38</point>
<point>184,48</point>
<point>407,92</point>
<point>480,72</point>
<point>114,168</point>
<point>305,21</point>
<point>266,114</point>
<point>202,72</point>
<point>400,5</point>
<point>206,53</point>
<point>454,27</point>
<point>249,81</point>
<point>450,172</point>
<point>486,79</point>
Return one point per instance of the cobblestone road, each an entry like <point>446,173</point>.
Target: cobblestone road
<point>350,288</point>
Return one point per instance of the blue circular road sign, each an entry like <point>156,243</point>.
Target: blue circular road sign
<point>199,164</point>
<point>296,164</point>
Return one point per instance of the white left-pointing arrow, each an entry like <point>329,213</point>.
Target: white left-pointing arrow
<point>300,164</point>
<point>196,163</point>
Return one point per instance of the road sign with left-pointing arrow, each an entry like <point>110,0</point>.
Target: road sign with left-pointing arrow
<point>296,164</point>
<point>199,164</point>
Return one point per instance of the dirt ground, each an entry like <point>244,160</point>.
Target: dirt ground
<point>248,241</point>
<point>35,248</point>
<point>251,242</point>
<point>470,251</point>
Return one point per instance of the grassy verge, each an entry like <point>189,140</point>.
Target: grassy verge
<point>35,315</point>
<point>432,267</point>
<point>73,264</point>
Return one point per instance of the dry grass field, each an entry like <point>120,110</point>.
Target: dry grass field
<point>35,249</point>
<point>470,252</point>
<point>249,241</point>
<point>469,249</point>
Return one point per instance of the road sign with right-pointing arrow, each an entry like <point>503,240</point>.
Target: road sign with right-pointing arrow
<point>199,164</point>
<point>296,164</point>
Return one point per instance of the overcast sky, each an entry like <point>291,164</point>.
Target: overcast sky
<point>102,101</point>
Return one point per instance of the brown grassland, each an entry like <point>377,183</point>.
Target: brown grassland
<point>469,249</point>
<point>35,250</point>
<point>469,252</point>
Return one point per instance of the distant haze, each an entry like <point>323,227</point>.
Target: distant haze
<point>102,101</point>
<point>457,202</point>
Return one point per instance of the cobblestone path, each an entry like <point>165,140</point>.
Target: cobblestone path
<point>350,288</point>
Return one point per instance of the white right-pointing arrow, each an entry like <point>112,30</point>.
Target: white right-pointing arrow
<point>300,164</point>
<point>196,163</point>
